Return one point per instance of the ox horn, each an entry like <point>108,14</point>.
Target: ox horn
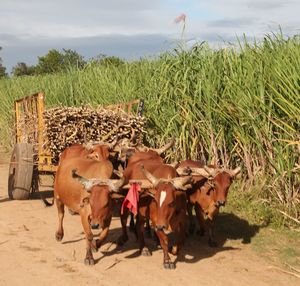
<point>182,171</point>
<point>113,185</point>
<point>211,171</point>
<point>181,182</point>
<point>152,179</point>
<point>201,171</point>
<point>88,184</point>
<point>234,172</point>
<point>164,148</point>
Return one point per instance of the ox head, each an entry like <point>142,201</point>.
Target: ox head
<point>218,182</point>
<point>97,193</point>
<point>164,194</point>
<point>100,150</point>
<point>127,151</point>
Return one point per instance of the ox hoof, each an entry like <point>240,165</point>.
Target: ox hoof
<point>169,265</point>
<point>212,243</point>
<point>121,240</point>
<point>145,252</point>
<point>59,236</point>
<point>89,261</point>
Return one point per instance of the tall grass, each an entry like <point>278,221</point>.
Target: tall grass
<point>239,105</point>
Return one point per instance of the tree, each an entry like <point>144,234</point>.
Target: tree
<point>72,59</point>
<point>2,68</point>
<point>108,60</point>
<point>22,69</point>
<point>50,63</point>
<point>55,61</point>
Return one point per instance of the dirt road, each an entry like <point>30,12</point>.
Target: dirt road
<point>30,254</point>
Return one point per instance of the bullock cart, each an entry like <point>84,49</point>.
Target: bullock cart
<point>30,157</point>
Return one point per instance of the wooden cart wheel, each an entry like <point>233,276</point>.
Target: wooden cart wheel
<point>20,172</point>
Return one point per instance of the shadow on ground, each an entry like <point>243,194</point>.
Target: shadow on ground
<point>228,227</point>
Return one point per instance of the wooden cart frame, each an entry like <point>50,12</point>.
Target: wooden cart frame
<point>30,158</point>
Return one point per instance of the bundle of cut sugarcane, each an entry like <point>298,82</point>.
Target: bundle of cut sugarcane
<point>65,126</point>
<point>27,130</point>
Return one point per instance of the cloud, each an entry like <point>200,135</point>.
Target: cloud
<point>132,47</point>
<point>231,22</point>
<point>37,26</point>
<point>268,4</point>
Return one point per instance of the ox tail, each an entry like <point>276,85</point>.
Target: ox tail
<point>46,202</point>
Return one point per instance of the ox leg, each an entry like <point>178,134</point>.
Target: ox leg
<point>148,229</point>
<point>124,236</point>
<point>201,221</point>
<point>61,213</point>
<point>210,228</point>
<point>164,242</point>
<point>191,218</point>
<point>104,232</point>
<point>132,224</point>
<point>140,226</point>
<point>89,259</point>
<point>179,225</point>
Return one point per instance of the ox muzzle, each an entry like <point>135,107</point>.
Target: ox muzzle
<point>219,204</point>
<point>95,225</point>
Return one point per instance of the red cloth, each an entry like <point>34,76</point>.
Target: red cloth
<point>132,198</point>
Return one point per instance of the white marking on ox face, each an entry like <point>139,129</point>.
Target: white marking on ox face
<point>163,195</point>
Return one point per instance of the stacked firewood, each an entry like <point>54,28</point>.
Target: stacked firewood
<point>65,126</point>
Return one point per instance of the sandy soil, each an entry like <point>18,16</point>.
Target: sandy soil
<point>30,255</point>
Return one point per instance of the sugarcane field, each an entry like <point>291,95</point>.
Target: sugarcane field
<point>165,154</point>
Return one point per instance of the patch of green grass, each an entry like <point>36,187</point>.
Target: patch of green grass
<point>280,246</point>
<point>251,219</point>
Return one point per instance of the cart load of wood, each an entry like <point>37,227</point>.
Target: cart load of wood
<point>65,126</point>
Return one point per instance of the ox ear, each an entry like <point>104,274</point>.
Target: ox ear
<point>85,201</point>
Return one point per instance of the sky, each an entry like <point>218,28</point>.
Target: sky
<point>131,29</point>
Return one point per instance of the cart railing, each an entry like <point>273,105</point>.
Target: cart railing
<point>30,125</point>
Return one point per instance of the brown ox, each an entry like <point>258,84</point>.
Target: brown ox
<point>95,151</point>
<point>162,202</point>
<point>91,200</point>
<point>133,155</point>
<point>208,193</point>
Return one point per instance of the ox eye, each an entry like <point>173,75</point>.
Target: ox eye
<point>171,204</point>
